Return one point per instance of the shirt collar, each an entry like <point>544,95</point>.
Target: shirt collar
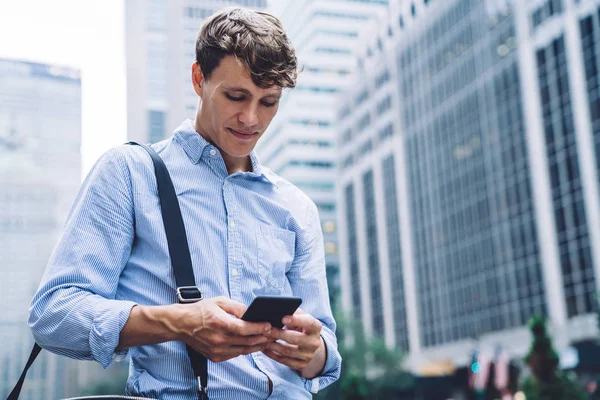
<point>195,145</point>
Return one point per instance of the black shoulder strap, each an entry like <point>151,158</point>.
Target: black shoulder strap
<point>14,395</point>
<point>187,291</point>
<point>174,228</point>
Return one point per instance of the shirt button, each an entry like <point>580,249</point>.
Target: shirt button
<point>213,152</point>
<point>232,224</point>
<point>234,272</point>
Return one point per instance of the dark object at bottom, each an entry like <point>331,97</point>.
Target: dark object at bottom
<point>109,398</point>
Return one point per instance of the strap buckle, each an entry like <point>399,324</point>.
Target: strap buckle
<point>189,294</point>
<point>202,390</point>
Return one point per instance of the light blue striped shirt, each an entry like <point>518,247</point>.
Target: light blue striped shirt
<point>249,233</point>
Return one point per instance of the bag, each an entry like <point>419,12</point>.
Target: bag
<point>179,252</point>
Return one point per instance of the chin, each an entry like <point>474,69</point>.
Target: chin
<point>238,151</point>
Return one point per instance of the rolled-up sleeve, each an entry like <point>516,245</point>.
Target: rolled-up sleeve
<point>75,311</point>
<point>308,279</point>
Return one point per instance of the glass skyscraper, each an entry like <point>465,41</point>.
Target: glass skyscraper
<point>485,163</point>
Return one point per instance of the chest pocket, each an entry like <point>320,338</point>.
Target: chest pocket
<point>276,249</point>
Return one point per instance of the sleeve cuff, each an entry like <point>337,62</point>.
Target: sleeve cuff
<point>120,355</point>
<point>331,370</point>
<point>108,322</point>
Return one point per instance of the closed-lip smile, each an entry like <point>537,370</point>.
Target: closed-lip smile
<point>241,134</point>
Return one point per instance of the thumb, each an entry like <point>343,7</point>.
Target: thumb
<point>230,306</point>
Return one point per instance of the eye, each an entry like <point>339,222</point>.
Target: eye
<point>233,98</point>
<point>267,104</point>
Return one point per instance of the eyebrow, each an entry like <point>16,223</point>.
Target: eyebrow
<point>275,96</point>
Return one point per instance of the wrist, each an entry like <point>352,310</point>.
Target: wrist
<point>317,364</point>
<point>172,319</point>
<point>149,325</point>
<point>165,321</point>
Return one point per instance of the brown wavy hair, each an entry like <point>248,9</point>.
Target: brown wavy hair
<point>254,37</point>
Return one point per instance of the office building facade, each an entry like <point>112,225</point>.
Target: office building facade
<point>490,169</point>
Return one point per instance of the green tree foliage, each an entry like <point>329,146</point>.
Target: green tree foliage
<point>546,381</point>
<point>370,370</point>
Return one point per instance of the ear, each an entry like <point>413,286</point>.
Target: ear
<point>197,79</point>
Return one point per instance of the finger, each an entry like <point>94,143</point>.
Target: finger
<point>229,352</point>
<point>243,328</point>
<point>290,362</point>
<point>287,350</point>
<point>230,306</point>
<point>289,336</point>
<point>245,350</point>
<point>293,327</point>
<point>307,322</point>
<point>253,340</point>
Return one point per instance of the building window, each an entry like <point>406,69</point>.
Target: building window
<point>310,122</point>
<point>362,96</point>
<point>355,280</point>
<point>590,42</point>
<point>386,132</point>
<point>382,78</point>
<point>545,11</point>
<point>348,161</point>
<point>566,183</point>
<point>311,164</point>
<point>347,136</point>
<point>156,126</point>
<point>373,254</point>
<point>384,105</point>
<point>316,186</point>
<point>363,122</point>
<point>325,207</point>
<point>332,50</point>
<point>330,248</point>
<point>329,226</point>
<point>395,253</point>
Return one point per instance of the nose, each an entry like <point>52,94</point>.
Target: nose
<point>249,115</point>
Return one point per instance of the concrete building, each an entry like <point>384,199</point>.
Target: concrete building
<point>468,196</point>
<point>40,172</point>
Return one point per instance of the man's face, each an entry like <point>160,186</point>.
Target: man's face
<point>234,112</point>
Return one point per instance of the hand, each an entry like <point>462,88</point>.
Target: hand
<point>303,349</point>
<point>211,331</point>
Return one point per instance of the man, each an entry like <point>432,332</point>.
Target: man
<point>109,288</point>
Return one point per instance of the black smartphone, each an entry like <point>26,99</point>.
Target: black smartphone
<point>271,309</point>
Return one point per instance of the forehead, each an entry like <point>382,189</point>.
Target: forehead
<point>232,73</point>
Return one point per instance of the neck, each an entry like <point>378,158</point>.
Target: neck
<point>233,164</point>
<point>236,164</point>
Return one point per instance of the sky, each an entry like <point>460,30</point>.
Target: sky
<point>83,34</point>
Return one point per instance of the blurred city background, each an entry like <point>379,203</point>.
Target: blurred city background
<point>451,146</point>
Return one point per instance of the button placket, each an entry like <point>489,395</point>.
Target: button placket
<point>258,359</point>
<point>233,243</point>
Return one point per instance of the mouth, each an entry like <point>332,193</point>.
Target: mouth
<point>242,134</point>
